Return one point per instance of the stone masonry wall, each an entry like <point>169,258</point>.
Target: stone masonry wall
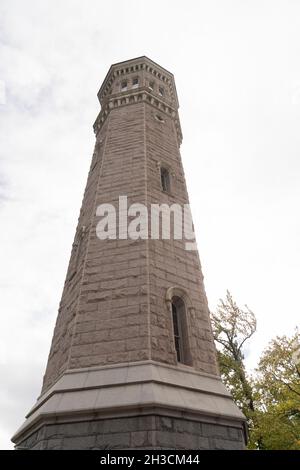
<point>103,317</point>
<point>143,432</point>
<point>59,355</point>
<point>170,263</point>
<point>113,306</point>
<point>112,319</point>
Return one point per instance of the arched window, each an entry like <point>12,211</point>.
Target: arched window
<point>165,179</point>
<point>180,331</point>
<point>177,333</point>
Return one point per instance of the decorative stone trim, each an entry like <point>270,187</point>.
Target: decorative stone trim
<point>145,387</point>
<point>176,291</point>
<point>141,94</point>
<point>142,64</point>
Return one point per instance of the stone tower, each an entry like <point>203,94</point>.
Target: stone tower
<point>132,362</point>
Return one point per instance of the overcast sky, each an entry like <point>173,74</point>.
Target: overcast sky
<point>237,71</point>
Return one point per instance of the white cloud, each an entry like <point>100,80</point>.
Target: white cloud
<point>237,73</point>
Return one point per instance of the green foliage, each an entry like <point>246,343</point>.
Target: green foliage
<point>274,431</point>
<point>277,384</point>
<point>270,399</point>
<point>232,327</point>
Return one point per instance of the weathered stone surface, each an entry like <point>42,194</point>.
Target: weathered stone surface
<point>214,430</point>
<point>143,432</point>
<point>116,307</point>
<point>107,281</point>
<point>140,439</point>
<point>78,442</point>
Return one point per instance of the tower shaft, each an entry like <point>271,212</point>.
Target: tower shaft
<point>132,362</point>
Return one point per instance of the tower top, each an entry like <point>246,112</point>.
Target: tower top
<point>139,79</point>
<point>131,66</point>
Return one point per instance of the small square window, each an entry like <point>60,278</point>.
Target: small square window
<point>135,82</point>
<point>124,85</point>
<point>161,91</point>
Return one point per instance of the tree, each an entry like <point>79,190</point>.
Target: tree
<point>277,385</point>
<point>270,399</point>
<point>232,327</point>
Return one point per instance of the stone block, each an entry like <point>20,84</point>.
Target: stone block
<point>113,441</point>
<point>186,441</point>
<point>165,439</point>
<point>234,434</point>
<point>55,444</point>
<point>214,430</point>
<point>139,439</point>
<point>165,423</point>
<point>79,443</point>
<point>223,444</point>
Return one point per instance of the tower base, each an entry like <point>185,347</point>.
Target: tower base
<point>144,405</point>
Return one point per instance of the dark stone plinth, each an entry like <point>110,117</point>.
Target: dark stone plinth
<point>139,432</point>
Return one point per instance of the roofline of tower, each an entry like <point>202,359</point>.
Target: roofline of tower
<point>117,64</point>
<point>139,58</point>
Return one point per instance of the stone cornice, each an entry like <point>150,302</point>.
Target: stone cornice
<point>135,65</point>
<point>145,387</point>
<point>141,94</point>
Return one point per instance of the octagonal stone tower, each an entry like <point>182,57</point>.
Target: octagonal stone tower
<point>132,362</point>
